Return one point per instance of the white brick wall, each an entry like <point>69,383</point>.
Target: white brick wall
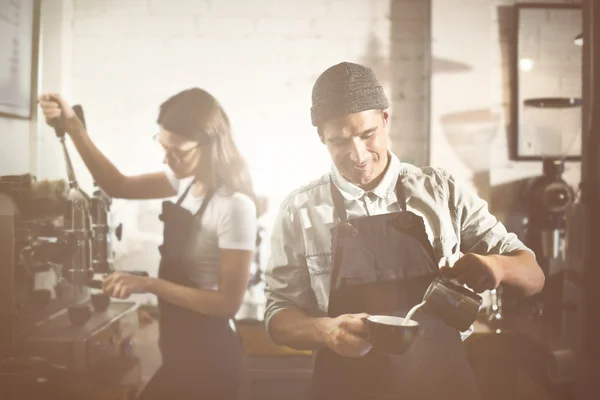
<point>178,7</point>
<point>259,58</point>
<point>15,146</point>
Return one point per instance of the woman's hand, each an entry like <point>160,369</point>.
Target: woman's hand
<point>121,285</point>
<point>59,114</point>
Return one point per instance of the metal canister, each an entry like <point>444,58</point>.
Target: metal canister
<point>77,232</point>
<point>101,234</point>
<point>456,305</point>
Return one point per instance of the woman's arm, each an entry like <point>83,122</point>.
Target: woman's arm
<point>224,302</point>
<point>236,234</point>
<point>107,176</point>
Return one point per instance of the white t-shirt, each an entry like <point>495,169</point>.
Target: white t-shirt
<point>229,222</point>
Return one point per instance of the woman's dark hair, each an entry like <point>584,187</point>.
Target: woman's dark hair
<point>196,115</point>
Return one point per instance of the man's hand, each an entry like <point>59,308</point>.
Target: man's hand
<point>480,273</point>
<point>342,335</point>
<point>121,284</point>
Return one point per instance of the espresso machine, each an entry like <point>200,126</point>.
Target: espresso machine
<point>58,329</point>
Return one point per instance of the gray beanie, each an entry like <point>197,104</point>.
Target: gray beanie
<point>346,88</point>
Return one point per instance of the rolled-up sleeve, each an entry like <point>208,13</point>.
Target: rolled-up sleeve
<point>480,231</point>
<point>287,279</point>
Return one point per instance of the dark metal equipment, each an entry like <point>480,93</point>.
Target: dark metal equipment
<point>453,303</point>
<point>102,233</point>
<point>582,321</point>
<point>77,223</point>
<point>549,199</point>
<point>53,239</point>
<point>570,300</point>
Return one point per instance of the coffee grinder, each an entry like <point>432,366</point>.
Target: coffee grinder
<point>548,200</point>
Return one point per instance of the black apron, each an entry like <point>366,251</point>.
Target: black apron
<point>382,265</point>
<point>202,357</point>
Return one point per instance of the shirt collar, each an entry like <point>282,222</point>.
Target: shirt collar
<point>386,186</point>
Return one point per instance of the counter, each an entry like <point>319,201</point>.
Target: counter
<point>515,359</point>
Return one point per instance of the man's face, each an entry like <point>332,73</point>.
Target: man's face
<point>357,144</point>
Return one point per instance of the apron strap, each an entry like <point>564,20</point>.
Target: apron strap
<point>205,201</point>
<point>338,199</point>
<point>185,193</point>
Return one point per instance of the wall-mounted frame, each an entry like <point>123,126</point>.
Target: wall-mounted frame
<point>546,82</point>
<point>19,47</point>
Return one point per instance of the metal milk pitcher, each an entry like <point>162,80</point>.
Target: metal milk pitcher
<point>456,305</point>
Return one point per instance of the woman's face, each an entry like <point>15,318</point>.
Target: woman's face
<point>182,155</point>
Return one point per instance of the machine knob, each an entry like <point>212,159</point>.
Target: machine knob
<point>127,347</point>
<point>59,290</point>
<point>119,231</point>
<point>41,298</point>
<point>114,338</point>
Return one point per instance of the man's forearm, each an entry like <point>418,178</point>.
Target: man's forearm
<point>292,328</point>
<point>520,269</point>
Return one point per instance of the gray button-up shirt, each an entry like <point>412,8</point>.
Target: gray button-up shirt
<point>456,220</point>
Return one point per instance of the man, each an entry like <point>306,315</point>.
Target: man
<point>368,238</point>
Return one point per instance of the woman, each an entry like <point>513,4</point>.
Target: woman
<point>209,238</point>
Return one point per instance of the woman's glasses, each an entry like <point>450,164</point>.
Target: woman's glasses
<point>176,153</point>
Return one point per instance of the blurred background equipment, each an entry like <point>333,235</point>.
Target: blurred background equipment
<point>58,331</point>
